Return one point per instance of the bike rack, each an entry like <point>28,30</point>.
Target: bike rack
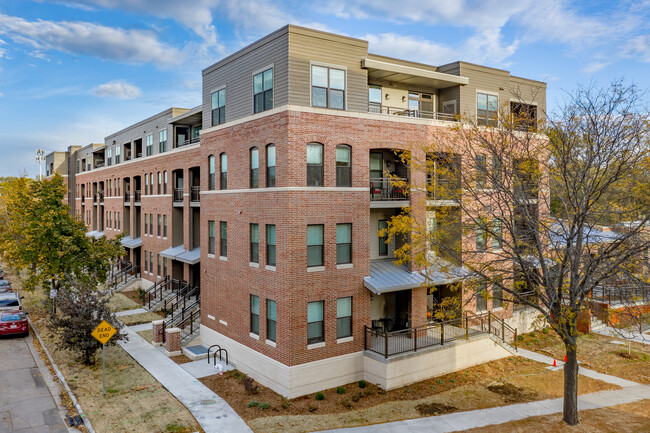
<point>210,348</point>
<point>214,356</point>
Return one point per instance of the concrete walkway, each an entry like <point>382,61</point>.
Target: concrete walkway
<point>211,411</point>
<point>619,333</point>
<point>130,312</point>
<point>498,415</point>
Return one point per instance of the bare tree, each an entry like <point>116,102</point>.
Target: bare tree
<point>520,205</point>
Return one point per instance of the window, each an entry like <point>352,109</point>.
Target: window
<point>255,243</point>
<point>146,261</point>
<point>164,182</point>
<point>162,140</point>
<point>374,99</point>
<point>376,166</point>
<point>343,243</point>
<point>150,224</point>
<point>219,107</point>
<point>497,292</point>
<point>270,244</point>
<point>159,224</point>
<point>315,245</point>
<point>223,163</point>
<point>270,165</point>
<point>255,167</point>
<point>524,116</point>
<point>420,105</point>
<point>486,109</point>
<point>497,237</point>
<point>481,171</point>
<point>196,133</point>
<point>327,87</point>
<point>497,171</point>
<point>159,182</point>
<point>344,317</point>
<point>255,314</point>
<point>149,145</point>
<point>164,266</point>
<point>78,166</point>
<point>159,268</point>
<point>481,237</point>
<point>117,154</point>
<point>270,320</point>
<point>164,226</point>
<point>146,183</point>
<point>343,165</point>
<point>263,91</point>
<point>146,224</point>
<point>314,164</point>
<point>481,296</point>
<point>210,237</point>
<point>150,183</point>
<point>109,159</point>
<point>151,262</point>
<point>224,239</point>
<point>315,331</point>
<point>211,172</point>
<point>383,246</point>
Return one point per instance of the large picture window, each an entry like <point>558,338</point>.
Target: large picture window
<point>327,87</point>
<point>218,107</point>
<point>315,245</point>
<point>315,331</point>
<point>314,164</point>
<point>263,91</point>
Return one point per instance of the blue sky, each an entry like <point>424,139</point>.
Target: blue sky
<point>74,71</point>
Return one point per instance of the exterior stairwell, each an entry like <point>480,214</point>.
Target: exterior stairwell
<point>499,331</point>
<point>122,275</point>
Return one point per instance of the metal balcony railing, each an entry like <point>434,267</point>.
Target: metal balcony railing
<point>178,195</point>
<point>187,142</point>
<point>195,194</point>
<point>384,189</point>
<point>138,196</point>
<point>422,114</point>
<point>127,196</point>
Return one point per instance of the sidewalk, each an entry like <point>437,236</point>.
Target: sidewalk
<point>210,411</point>
<point>634,336</point>
<point>498,415</point>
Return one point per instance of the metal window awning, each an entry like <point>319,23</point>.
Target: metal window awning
<point>387,277</point>
<point>131,243</point>
<point>190,257</point>
<point>172,252</point>
<point>443,271</point>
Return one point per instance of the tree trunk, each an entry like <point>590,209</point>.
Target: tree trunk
<point>571,384</point>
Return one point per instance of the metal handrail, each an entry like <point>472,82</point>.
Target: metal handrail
<point>384,189</point>
<point>188,141</point>
<point>178,195</point>
<point>422,114</point>
<point>138,195</point>
<point>195,194</point>
<point>150,293</point>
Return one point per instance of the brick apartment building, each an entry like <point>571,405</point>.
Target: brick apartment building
<point>270,196</point>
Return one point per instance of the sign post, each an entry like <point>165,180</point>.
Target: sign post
<point>103,332</point>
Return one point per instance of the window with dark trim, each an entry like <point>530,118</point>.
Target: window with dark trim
<point>164,226</point>
<point>218,107</point>
<point>344,317</point>
<point>383,246</point>
<point>210,237</point>
<point>255,314</point>
<point>314,164</point>
<point>327,87</point>
<point>211,172</point>
<point>481,295</point>
<point>481,170</point>
<point>159,224</point>
<point>165,182</point>
<point>223,244</point>
<point>149,145</point>
<point>343,165</point>
<point>270,165</point>
<point>254,167</point>
<point>159,181</point>
<point>315,328</point>
<point>315,245</point>
<point>343,243</point>
<point>162,141</point>
<point>270,320</point>
<point>487,107</point>
<point>223,167</point>
<point>270,244</point>
<point>497,292</point>
<point>255,243</point>
<point>263,91</point>
<point>481,236</point>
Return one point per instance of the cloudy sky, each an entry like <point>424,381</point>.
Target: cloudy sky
<point>74,71</point>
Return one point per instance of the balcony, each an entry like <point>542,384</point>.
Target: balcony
<point>137,196</point>
<point>178,195</point>
<point>127,198</point>
<point>195,194</point>
<point>386,189</point>
<point>421,114</point>
<point>187,142</point>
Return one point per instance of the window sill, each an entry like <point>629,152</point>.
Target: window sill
<point>316,269</point>
<point>254,265</point>
<point>270,268</point>
<point>270,343</point>
<point>211,256</point>
<point>344,340</point>
<point>345,266</point>
<point>211,317</point>
<point>255,336</point>
<point>223,259</point>
<point>315,345</point>
<point>223,322</point>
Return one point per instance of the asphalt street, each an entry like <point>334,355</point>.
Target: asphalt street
<point>26,404</point>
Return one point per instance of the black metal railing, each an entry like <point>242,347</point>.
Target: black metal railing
<point>178,195</point>
<point>187,320</point>
<point>127,197</point>
<point>388,189</point>
<point>180,299</point>
<point>155,292</point>
<point>422,114</point>
<point>622,293</point>
<point>187,142</point>
<point>195,194</point>
<point>137,196</point>
<point>436,334</point>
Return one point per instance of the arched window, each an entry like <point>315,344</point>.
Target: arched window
<point>270,165</point>
<point>211,172</point>
<point>223,165</point>
<point>255,167</point>
<point>314,164</point>
<point>343,165</point>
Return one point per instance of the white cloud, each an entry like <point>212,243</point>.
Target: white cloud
<point>83,38</point>
<point>117,89</point>
<point>639,47</point>
<point>594,67</point>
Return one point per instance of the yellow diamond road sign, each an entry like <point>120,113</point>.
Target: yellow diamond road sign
<point>103,332</point>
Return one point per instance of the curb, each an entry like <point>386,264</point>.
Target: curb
<point>62,380</point>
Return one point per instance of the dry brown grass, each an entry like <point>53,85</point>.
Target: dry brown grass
<point>597,352</point>
<point>134,400</point>
<point>137,319</point>
<point>120,302</point>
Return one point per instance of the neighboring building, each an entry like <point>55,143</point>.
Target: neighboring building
<point>271,194</point>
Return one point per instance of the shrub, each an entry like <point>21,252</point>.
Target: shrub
<point>264,406</point>
<point>439,382</point>
<point>545,330</point>
<point>253,403</point>
<point>452,381</point>
<point>320,396</point>
<point>250,386</point>
<point>346,403</point>
<point>340,390</point>
<point>532,335</point>
<point>520,337</point>
<point>362,384</point>
<point>285,403</point>
<point>356,397</point>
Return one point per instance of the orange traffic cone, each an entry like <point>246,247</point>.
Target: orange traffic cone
<point>554,363</point>
<point>564,358</point>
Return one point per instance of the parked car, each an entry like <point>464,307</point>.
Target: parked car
<point>13,322</point>
<point>10,302</point>
<point>5,286</point>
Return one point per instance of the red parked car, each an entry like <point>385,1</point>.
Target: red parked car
<point>13,322</point>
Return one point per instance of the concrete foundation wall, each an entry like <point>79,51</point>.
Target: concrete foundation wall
<point>526,321</point>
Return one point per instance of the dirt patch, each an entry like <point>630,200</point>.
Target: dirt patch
<point>133,295</point>
<point>597,352</point>
<point>137,319</point>
<point>625,418</point>
<point>512,393</point>
<point>180,359</point>
<point>434,409</point>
